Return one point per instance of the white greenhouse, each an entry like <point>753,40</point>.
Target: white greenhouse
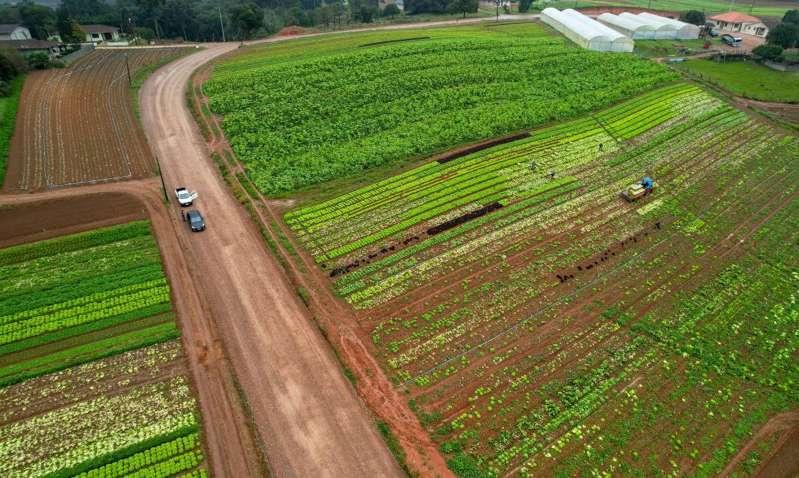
<point>586,32</point>
<point>663,31</point>
<point>627,27</point>
<point>685,31</point>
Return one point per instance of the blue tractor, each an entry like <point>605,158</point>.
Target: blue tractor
<point>638,190</point>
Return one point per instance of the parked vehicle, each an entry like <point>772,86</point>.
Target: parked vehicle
<point>195,220</point>
<point>731,40</point>
<point>185,198</point>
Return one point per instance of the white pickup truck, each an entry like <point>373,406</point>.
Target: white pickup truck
<point>185,198</point>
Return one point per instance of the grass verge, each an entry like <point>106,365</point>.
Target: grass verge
<point>8,119</point>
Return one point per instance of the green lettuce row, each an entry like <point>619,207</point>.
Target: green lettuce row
<point>74,331</point>
<point>74,242</point>
<point>334,206</point>
<point>145,462</point>
<point>347,284</point>
<point>96,466</point>
<point>80,287</point>
<point>63,359</point>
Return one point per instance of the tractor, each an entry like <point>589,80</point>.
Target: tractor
<point>638,190</point>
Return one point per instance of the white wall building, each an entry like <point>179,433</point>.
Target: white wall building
<point>736,22</point>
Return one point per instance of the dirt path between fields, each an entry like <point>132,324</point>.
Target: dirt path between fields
<point>309,420</point>
<point>230,450</point>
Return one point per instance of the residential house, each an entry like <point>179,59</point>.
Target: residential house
<point>100,33</point>
<point>14,32</point>
<point>737,22</point>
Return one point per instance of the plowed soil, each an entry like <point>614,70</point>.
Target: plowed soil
<point>77,125</point>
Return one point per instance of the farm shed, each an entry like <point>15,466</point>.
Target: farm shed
<point>663,30</point>
<point>685,31</point>
<point>51,48</point>
<point>590,34</point>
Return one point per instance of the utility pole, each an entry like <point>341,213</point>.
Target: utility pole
<point>161,175</point>
<point>751,7</point>
<point>221,24</point>
<point>497,2</point>
<point>127,68</point>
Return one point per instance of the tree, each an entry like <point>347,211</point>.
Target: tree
<point>38,61</point>
<point>391,10</point>
<point>694,17</point>
<point>40,20</point>
<point>248,18</point>
<point>367,13</point>
<point>791,16</point>
<point>11,64</point>
<point>769,52</point>
<point>524,5</point>
<point>68,27</point>
<point>463,6</point>
<point>785,35</point>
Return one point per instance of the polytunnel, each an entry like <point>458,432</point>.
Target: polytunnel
<point>685,31</point>
<point>663,31</point>
<point>619,42</point>
<point>632,29</point>
<point>575,31</point>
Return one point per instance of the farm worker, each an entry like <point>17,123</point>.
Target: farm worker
<point>182,216</point>
<point>600,146</point>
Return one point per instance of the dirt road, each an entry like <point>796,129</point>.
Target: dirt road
<point>308,417</point>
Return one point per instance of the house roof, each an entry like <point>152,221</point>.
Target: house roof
<point>98,29</point>
<point>6,28</point>
<point>736,17</point>
<point>27,44</point>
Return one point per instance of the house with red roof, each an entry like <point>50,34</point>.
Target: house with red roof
<point>737,22</point>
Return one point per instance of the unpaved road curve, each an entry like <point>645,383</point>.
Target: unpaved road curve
<point>307,415</point>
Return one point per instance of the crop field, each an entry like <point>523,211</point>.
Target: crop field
<point>310,111</point>
<point>540,325</point>
<point>77,125</point>
<point>93,377</point>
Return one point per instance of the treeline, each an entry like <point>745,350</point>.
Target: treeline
<point>204,20</point>
<point>781,39</point>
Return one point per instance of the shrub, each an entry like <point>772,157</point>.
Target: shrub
<point>769,52</point>
<point>391,10</point>
<point>694,17</point>
<point>38,61</point>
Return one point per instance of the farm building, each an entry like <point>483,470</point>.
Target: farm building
<point>100,33</point>
<point>586,32</point>
<point>630,28</point>
<point>14,32</point>
<point>684,31</point>
<point>736,22</point>
<point>52,49</point>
